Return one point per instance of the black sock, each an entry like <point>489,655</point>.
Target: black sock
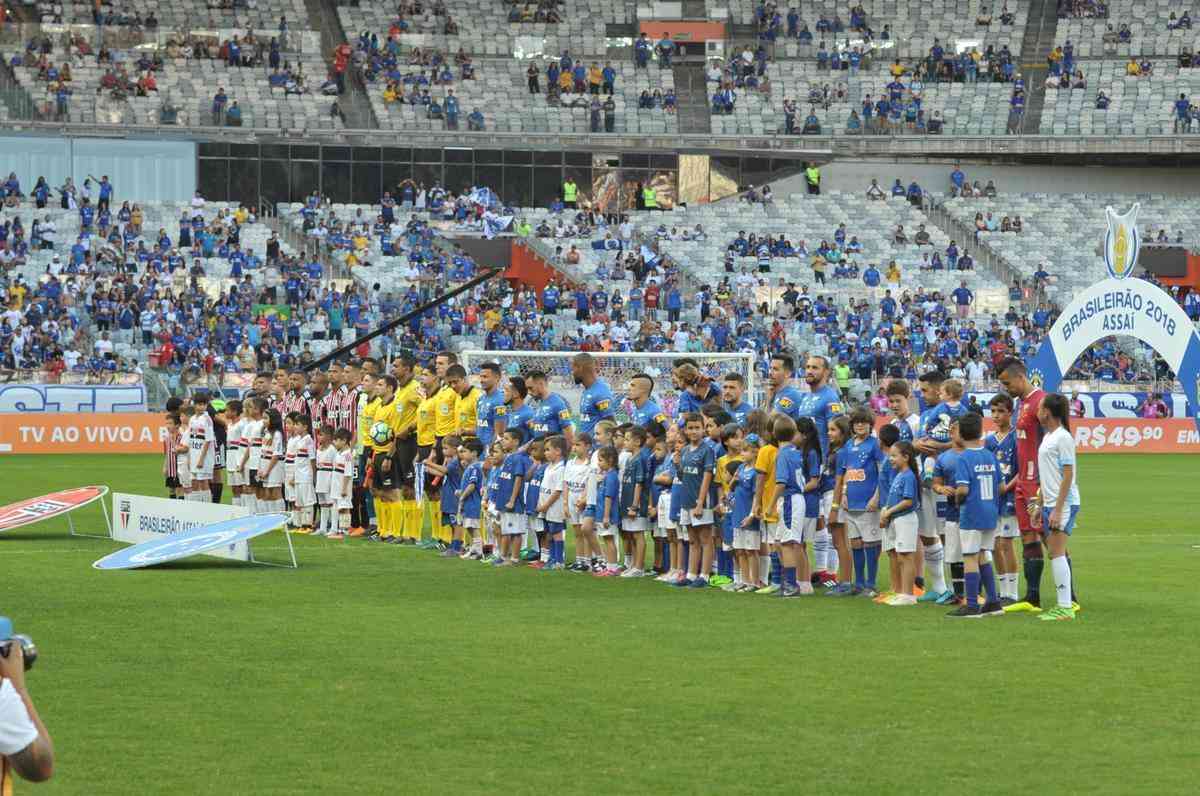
<point>1033,580</point>
<point>956,579</point>
<point>1071,564</point>
<point>919,581</point>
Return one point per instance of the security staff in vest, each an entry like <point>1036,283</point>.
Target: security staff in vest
<point>650,197</point>
<point>570,192</point>
<point>812,176</point>
<point>25,746</point>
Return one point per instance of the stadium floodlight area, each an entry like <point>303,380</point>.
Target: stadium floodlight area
<point>617,368</point>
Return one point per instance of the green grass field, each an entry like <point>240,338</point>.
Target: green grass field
<point>377,669</point>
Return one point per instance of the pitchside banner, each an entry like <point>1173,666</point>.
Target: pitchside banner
<point>117,432</point>
<point>1113,405</point>
<point>72,398</point>
<point>138,518</point>
<point>1121,306</point>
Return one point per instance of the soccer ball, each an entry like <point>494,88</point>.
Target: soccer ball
<point>381,433</point>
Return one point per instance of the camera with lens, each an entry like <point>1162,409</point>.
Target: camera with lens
<point>8,638</point>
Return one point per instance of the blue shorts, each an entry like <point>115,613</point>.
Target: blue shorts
<point>1068,526</point>
<point>555,527</point>
<point>589,511</point>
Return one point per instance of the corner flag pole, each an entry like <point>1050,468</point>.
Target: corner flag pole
<point>387,327</point>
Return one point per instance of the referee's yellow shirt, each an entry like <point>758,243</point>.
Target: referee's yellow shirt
<point>386,413</point>
<point>467,410</point>
<point>447,406</point>
<point>427,421</point>
<point>408,399</point>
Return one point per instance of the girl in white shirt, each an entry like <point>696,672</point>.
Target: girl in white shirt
<point>304,468</point>
<point>1059,501</point>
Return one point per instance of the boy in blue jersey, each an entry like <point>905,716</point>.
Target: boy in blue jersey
<point>658,517</point>
<point>899,518</point>
<point>977,484</point>
<point>533,497</point>
<point>857,490</point>
<point>635,497</point>
<point>470,493</point>
<point>944,469</point>
<point>889,435</point>
<point>928,447</point>
<point>491,518</point>
<point>510,497</point>
<point>667,476</point>
<point>793,526</point>
<point>695,463</point>
<point>451,473</point>
<point>1003,444</point>
<point>608,509</point>
<point>747,539</point>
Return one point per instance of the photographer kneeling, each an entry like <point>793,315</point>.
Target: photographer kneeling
<point>24,743</point>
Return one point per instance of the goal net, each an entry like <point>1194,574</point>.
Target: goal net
<point>617,369</point>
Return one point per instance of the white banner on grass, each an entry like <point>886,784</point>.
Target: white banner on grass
<point>139,518</point>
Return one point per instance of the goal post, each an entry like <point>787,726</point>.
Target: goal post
<point>617,368</point>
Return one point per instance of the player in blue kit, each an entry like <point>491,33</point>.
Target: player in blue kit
<point>733,401</point>
<point>695,463</point>
<point>551,414</point>
<point>977,484</point>
<point>510,497</point>
<point>857,491</point>
<point>928,446</point>
<point>899,518</point>
<point>491,409</point>
<point>822,402</point>
<point>785,396</point>
<point>1003,444</point>
<point>945,467</point>
<point>596,403</point>
<point>640,392</point>
<point>518,415</point>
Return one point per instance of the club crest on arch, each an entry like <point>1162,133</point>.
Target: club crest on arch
<point>1121,242</point>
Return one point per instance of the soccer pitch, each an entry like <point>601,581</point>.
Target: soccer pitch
<point>381,669</point>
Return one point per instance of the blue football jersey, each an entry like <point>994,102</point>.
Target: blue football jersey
<point>1005,450</point>
<point>978,470</point>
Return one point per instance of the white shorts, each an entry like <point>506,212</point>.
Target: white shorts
<point>770,531</point>
<point>235,478</point>
<point>663,526</point>
<point>954,548</point>
<point>633,524</point>
<point>345,504</point>
<point>863,525</point>
<point>606,530</point>
<point>289,491</point>
<point>1008,528</point>
<point>930,525</point>
<point>304,494</point>
<point>343,520</point>
<point>202,473</point>
<point>801,529</point>
<point>972,542</point>
<point>903,531</point>
<point>468,522</point>
<point>513,524</point>
<point>274,478</point>
<point>744,539</point>
<point>827,504</point>
<point>535,524</point>
<point>688,520</point>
